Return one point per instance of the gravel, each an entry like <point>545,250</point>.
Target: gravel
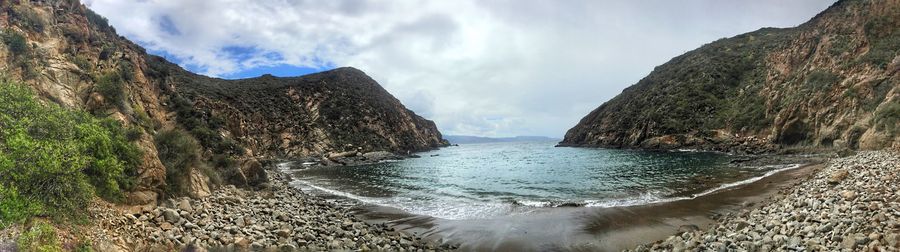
<point>853,204</point>
<point>281,218</point>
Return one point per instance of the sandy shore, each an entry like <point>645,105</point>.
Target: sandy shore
<point>588,229</point>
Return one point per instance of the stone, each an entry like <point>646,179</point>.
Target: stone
<point>242,242</point>
<point>171,215</point>
<point>199,184</point>
<point>284,232</point>
<point>838,176</point>
<point>848,195</point>
<point>185,205</point>
<point>287,247</point>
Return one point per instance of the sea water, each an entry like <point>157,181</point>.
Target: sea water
<point>473,181</point>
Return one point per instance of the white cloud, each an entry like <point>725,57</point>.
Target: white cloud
<point>495,67</point>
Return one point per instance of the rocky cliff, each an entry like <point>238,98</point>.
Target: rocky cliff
<point>831,82</point>
<point>334,111</point>
<point>71,56</point>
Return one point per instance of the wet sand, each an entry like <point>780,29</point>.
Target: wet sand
<point>587,228</point>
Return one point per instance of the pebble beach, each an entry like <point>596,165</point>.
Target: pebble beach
<point>853,204</point>
<point>279,218</point>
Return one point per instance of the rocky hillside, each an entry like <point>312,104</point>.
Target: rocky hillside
<point>831,82</point>
<point>333,111</point>
<point>71,56</point>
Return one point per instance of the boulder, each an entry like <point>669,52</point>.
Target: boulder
<point>185,205</point>
<point>171,215</point>
<point>838,176</point>
<point>199,186</point>
<point>249,173</point>
<point>141,197</point>
<point>253,172</point>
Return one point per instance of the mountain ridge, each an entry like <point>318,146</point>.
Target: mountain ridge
<point>465,139</point>
<point>831,82</point>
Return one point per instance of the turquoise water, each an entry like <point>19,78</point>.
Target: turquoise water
<point>473,181</point>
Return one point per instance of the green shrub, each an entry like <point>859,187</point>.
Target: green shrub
<point>106,52</point>
<point>41,237</point>
<point>889,117</point>
<point>13,207</point>
<point>84,245</point>
<point>100,22</point>
<point>126,71</point>
<point>111,86</point>
<point>83,63</point>
<point>178,152</point>
<point>884,41</point>
<point>819,80</point>
<point>15,42</point>
<point>28,18</point>
<point>53,160</point>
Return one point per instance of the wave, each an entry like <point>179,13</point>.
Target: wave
<point>776,169</point>
<point>456,208</point>
<point>649,198</point>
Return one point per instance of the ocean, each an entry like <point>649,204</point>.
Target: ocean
<point>488,180</point>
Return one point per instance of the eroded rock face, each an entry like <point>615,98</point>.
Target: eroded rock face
<point>341,110</point>
<point>830,82</point>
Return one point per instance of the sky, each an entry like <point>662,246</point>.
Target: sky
<point>476,67</point>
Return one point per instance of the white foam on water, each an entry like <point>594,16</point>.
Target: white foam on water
<point>750,180</point>
<point>461,209</point>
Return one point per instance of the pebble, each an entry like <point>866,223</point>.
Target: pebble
<point>850,204</point>
<point>280,217</point>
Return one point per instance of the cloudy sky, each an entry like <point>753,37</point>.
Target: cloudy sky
<point>475,67</point>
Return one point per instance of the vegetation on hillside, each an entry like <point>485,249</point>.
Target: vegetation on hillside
<point>54,160</point>
<point>767,88</point>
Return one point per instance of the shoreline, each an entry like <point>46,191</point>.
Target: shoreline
<point>578,228</point>
<point>585,228</point>
<point>849,204</point>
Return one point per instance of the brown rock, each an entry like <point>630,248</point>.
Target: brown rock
<point>848,195</point>
<point>199,186</point>
<point>251,173</point>
<point>141,198</point>
<point>284,233</point>
<point>242,242</point>
<point>838,176</point>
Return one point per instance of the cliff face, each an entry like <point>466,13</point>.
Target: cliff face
<point>71,56</point>
<point>832,82</point>
<point>333,111</point>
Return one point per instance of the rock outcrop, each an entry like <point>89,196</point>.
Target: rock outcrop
<point>333,111</point>
<point>831,82</point>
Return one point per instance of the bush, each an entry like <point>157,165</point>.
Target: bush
<point>53,160</point>
<point>15,42</point>
<point>41,237</point>
<point>14,207</point>
<point>106,52</point>
<point>888,117</point>
<point>111,86</point>
<point>126,71</point>
<point>28,18</point>
<point>819,80</point>
<point>100,22</point>
<point>83,63</point>
<point>178,152</point>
